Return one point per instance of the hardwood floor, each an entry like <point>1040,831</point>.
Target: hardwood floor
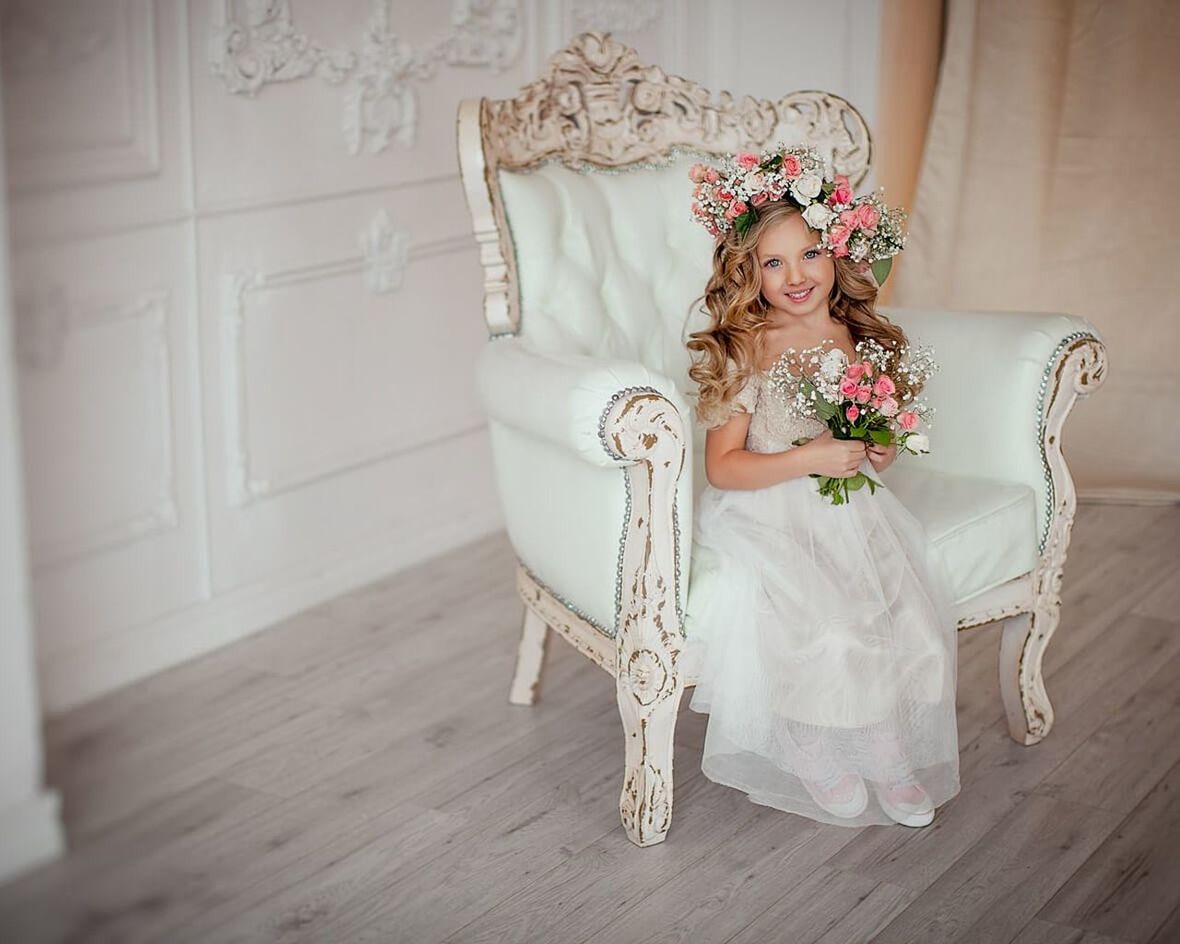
<point>357,774</point>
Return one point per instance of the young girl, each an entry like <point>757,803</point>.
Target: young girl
<point>823,638</point>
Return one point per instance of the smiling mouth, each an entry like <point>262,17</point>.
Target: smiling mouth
<point>800,296</point>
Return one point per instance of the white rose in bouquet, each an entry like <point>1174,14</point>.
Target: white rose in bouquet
<point>917,443</point>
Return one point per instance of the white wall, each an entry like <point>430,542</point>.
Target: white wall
<point>30,829</point>
<point>246,319</point>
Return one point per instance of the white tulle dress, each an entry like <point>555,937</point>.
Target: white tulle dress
<point>818,633</point>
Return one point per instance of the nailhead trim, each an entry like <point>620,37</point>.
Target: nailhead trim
<point>1050,491</point>
<point>615,398</point>
<point>568,604</point>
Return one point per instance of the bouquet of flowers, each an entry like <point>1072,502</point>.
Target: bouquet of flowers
<point>860,400</point>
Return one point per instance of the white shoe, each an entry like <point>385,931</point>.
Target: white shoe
<point>908,813</point>
<point>829,793</point>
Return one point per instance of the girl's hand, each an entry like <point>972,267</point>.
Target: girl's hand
<point>882,456</point>
<point>837,458</point>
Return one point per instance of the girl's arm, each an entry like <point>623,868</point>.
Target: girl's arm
<point>728,464</point>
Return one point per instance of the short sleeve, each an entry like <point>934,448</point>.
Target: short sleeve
<point>746,396</point>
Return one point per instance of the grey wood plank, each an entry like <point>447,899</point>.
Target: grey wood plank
<point>990,894</point>
<point>513,826</point>
<point>719,895</point>
<point>819,905</point>
<point>1120,763</point>
<point>598,883</point>
<point>1038,931</point>
<point>1169,931</point>
<point>869,915</point>
<point>1131,885</point>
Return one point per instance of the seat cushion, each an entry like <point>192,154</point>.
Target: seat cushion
<point>986,529</point>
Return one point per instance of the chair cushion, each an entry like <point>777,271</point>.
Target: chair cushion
<point>986,529</point>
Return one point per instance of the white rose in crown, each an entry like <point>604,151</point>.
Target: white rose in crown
<point>917,443</point>
<point>818,216</point>
<point>807,187</point>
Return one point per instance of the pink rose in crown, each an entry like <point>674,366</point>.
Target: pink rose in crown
<point>842,193</point>
<point>838,236</point>
<point>735,210</point>
<point>840,252</point>
<point>792,166</point>
<point>724,196</point>
<point>884,386</point>
<point>759,198</point>
<point>908,420</point>
<point>867,215</point>
<point>850,218</point>
<point>697,173</point>
<point>747,160</point>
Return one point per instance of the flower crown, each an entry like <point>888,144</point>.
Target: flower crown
<point>862,228</point>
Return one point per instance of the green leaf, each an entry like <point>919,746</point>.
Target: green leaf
<point>744,222</point>
<point>856,482</point>
<point>881,269</point>
<point>881,436</point>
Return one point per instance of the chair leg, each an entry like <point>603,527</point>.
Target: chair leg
<point>648,707</point>
<point>1022,687</point>
<point>530,657</point>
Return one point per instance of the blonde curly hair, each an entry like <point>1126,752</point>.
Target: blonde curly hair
<point>734,301</point>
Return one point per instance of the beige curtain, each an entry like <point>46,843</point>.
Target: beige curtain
<point>1049,182</point>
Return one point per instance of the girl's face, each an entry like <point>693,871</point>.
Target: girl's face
<point>797,275</point>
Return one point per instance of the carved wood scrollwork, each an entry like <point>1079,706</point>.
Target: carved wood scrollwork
<point>1080,369</point>
<point>645,429</point>
<point>599,106</point>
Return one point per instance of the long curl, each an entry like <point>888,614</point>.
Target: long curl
<point>738,311</point>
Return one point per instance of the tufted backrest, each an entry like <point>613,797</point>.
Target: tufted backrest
<point>608,263</point>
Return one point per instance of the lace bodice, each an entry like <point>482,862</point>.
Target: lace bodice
<point>769,396</point>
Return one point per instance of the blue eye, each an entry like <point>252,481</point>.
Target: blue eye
<point>772,262</point>
<point>811,254</point>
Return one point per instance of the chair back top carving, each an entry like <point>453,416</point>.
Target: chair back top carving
<point>579,196</point>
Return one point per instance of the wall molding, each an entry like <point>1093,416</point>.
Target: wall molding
<point>53,325</point>
<point>385,253</point>
<point>262,46</point>
<point>37,46</point>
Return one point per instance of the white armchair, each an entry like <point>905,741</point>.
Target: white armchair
<point>578,192</point>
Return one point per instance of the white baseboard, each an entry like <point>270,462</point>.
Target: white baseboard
<point>72,678</point>
<point>1127,496</point>
<point>32,834</point>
